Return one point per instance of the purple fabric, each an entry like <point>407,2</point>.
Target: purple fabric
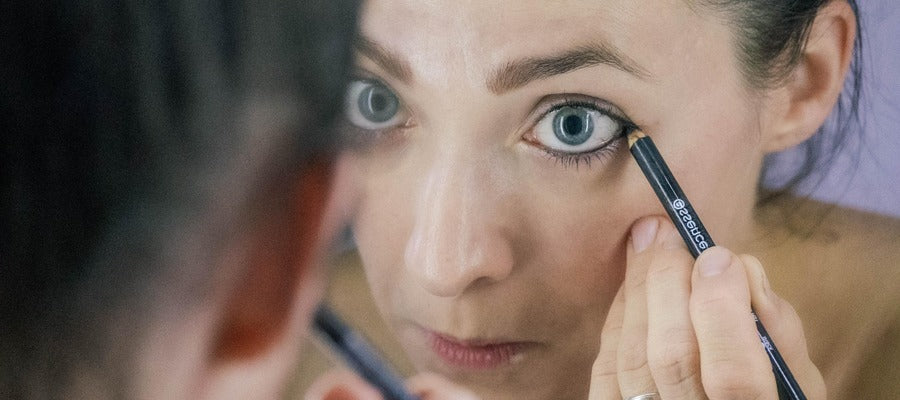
<point>867,174</point>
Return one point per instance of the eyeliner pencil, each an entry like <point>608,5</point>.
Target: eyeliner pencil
<point>357,352</point>
<point>697,239</point>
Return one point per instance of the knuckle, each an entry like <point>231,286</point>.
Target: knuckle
<point>604,365</point>
<point>727,379</point>
<point>675,361</point>
<point>635,284</point>
<point>610,333</point>
<point>663,268</point>
<point>712,304</point>
<point>632,357</point>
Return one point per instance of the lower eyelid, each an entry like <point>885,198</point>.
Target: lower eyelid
<point>601,154</point>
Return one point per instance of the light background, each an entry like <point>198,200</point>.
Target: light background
<point>866,175</point>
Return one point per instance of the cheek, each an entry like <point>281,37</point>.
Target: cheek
<point>579,232</point>
<point>381,226</point>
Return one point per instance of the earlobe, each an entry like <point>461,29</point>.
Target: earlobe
<point>799,107</point>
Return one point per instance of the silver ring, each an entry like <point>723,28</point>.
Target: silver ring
<point>645,396</point>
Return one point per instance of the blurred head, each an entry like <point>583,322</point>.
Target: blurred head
<point>166,169</point>
<point>496,191</point>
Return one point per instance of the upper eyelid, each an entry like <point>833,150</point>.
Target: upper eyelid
<point>545,106</point>
<point>362,74</point>
<point>365,76</point>
<point>359,72</point>
<point>548,104</point>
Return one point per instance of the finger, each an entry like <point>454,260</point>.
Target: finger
<point>633,371</point>
<point>733,363</point>
<point>672,351</point>
<point>341,385</point>
<point>604,380</point>
<point>430,386</point>
<point>785,329</point>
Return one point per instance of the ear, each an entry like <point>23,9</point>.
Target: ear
<point>798,108</point>
<point>268,310</point>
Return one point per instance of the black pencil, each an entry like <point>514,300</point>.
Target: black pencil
<point>697,239</point>
<point>357,352</point>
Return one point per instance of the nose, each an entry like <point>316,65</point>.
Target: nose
<point>458,239</point>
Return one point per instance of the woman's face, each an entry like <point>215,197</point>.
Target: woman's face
<point>496,191</point>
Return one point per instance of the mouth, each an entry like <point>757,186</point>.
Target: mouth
<point>476,353</point>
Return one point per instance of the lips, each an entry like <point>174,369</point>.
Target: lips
<point>475,354</point>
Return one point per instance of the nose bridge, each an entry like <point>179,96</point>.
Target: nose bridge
<point>457,238</point>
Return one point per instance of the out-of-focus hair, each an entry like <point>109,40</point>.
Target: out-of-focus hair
<point>126,144</point>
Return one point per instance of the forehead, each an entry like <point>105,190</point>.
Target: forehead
<point>447,39</point>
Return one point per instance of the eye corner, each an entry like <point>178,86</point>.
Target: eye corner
<point>594,136</point>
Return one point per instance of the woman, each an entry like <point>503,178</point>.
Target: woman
<point>499,212</point>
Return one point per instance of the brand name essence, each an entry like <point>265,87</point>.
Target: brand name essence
<point>693,229</point>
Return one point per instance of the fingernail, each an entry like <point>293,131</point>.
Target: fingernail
<point>763,278</point>
<point>643,233</point>
<point>713,261</point>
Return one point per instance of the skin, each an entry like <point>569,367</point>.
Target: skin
<point>468,228</point>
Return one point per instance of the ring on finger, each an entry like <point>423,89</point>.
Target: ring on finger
<point>645,396</point>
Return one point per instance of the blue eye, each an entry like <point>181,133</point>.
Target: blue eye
<point>573,126</point>
<point>371,105</point>
<point>576,129</point>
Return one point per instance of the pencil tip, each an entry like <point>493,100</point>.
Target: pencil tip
<point>634,136</point>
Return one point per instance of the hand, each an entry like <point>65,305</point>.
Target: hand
<point>683,329</point>
<point>345,385</point>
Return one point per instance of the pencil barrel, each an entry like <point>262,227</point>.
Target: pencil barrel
<point>697,239</point>
<point>672,197</point>
<point>360,355</point>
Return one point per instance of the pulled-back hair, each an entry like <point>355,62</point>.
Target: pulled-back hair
<point>770,36</point>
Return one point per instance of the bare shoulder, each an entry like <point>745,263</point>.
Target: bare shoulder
<point>874,242</point>
<point>848,246</point>
<point>879,374</point>
<point>840,269</point>
<point>865,245</point>
<point>854,255</point>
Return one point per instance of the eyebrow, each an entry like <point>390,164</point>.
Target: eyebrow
<point>515,74</point>
<point>519,73</point>
<point>387,60</point>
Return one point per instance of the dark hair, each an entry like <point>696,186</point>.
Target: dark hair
<point>770,36</point>
<point>121,125</point>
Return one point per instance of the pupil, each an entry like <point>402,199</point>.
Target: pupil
<point>378,102</point>
<point>572,125</point>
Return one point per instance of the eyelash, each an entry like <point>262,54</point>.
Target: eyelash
<point>601,154</point>
<point>564,159</point>
<point>354,137</point>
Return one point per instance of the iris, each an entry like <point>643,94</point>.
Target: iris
<point>377,103</point>
<point>573,125</point>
